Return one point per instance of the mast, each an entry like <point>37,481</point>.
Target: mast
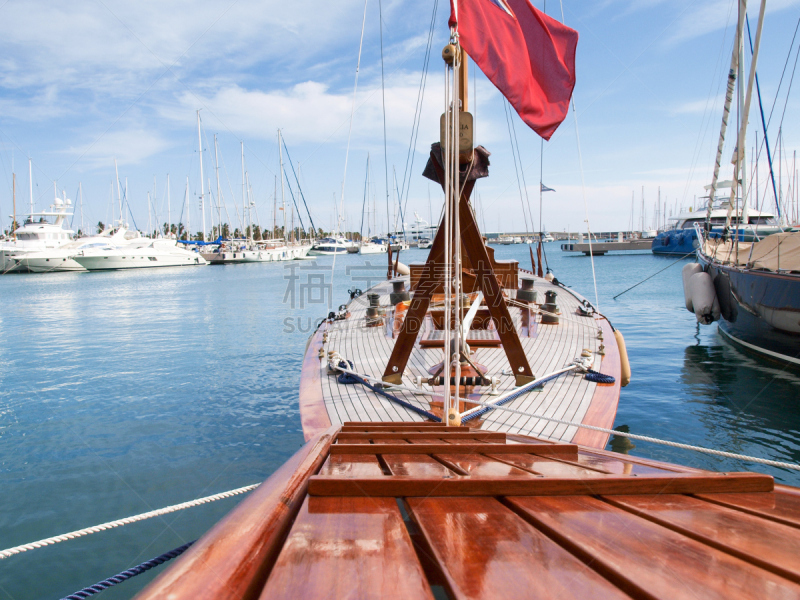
<point>244,194</point>
<point>219,191</point>
<point>274,209</point>
<point>169,212</point>
<point>744,99</point>
<point>726,111</point>
<point>119,195</point>
<point>283,191</point>
<point>30,182</point>
<point>202,183</point>
<point>80,200</point>
<point>188,210</point>
<point>14,205</point>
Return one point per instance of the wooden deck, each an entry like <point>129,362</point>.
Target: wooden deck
<point>548,348</point>
<point>418,510</point>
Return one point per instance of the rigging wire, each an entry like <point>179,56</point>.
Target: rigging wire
<point>583,186</point>
<point>517,169</point>
<point>412,144</point>
<point>383,103</point>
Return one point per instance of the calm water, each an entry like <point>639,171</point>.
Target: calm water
<point>124,392</point>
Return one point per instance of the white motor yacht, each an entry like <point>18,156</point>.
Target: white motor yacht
<point>327,246</point>
<point>36,236</point>
<point>424,243</point>
<point>60,259</point>
<point>373,247</point>
<point>160,252</point>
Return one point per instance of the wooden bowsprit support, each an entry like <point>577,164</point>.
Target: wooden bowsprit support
<point>473,246</point>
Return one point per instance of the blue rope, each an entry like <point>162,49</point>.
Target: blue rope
<point>599,377</point>
<point>127,574</point>
<point>513,396</point>
<point>350,378</point>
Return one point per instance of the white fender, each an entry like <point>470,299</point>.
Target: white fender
<point>688,271</point>
<point>403,269</point>
<point>704,298</point>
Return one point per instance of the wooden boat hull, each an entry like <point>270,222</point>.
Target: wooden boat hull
<point>401,510</point>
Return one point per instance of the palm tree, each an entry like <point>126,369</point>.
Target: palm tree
<point>100,227</point>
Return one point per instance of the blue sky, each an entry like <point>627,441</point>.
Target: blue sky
<point>83,83</point>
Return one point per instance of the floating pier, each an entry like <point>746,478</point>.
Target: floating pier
<point>603,247</point>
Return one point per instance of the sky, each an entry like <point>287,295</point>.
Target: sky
<point>85,83</point>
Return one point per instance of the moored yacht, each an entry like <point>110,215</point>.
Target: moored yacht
<point>680,236</point>
<point>36,236</point>
<point>60,259</point>
<point>329,245</point>
<point>151,253</point>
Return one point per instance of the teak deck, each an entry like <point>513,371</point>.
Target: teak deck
<point>570,397</point>
<point>412,510</point>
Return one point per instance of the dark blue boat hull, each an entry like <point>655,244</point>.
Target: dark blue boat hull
<point>760,309</point>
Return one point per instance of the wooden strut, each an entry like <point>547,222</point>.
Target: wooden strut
<point>475,249</point>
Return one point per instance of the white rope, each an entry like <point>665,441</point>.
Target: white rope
<point>645,438</point>
<point>119,522</point>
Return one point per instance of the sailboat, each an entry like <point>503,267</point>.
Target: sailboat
<point>249,250</point>
<point>400,494</point>
<point>752,288</point>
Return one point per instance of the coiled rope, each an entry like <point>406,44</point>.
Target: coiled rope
<point>111,524</point>
<point>645,438</point>
<point>127,574</point>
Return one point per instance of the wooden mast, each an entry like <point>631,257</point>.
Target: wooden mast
<point>472,244</point>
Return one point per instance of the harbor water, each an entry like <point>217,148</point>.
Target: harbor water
<point>122,392</point>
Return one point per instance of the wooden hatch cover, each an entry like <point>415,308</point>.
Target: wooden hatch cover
<point>417,510</point>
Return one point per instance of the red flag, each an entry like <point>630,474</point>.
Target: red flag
<point>527,55</point>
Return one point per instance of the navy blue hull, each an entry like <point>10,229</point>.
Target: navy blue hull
<point>675,241</point>
<point>760,310</point>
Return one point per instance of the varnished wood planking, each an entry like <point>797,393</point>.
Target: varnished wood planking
<point>780,506</point>
<point>486,551</point>
<point>647,559</point>
<point>426,485</point>
<point>234,558</point>
<point>347,548</point>
<point>431,447</point>
<point>769,545</point>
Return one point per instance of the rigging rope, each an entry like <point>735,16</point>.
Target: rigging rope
<point>644,438</point>
<point>412,144</point>
<point>353,378</point>
<point>128,573</point>
<point>299,189</point>
<point>119,522</point>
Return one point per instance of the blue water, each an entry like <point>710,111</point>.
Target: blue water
<point>128,391</point>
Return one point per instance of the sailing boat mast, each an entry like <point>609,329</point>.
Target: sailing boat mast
<point>169,211</point>
<point>219,190</point>
<point>14,206</point>
<point>283,191</point>
<point>30,180</point>
<point>202,183</point>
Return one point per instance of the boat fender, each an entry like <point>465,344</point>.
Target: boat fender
<point>704,298</point>
<point>624,363</point>
<point>688,271</point>
<point>549,276</point>
<point>403,269</point>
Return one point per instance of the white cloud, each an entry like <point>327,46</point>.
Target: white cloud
<point>128,147</point>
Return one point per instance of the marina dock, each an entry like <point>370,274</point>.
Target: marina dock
<point>601,248</point>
